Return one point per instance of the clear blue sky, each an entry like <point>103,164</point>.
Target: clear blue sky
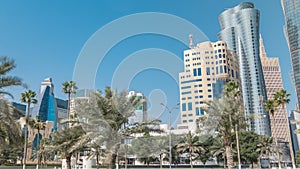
<point>46,37</point>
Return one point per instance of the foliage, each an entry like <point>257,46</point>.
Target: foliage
<point>298,157</point>
<point>248,145</point>
<point>264,147</point>
<point>6,66</point>
<point>224,114</point>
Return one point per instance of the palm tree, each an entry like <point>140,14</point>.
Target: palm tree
<point>270,107</point>
<point>281,97</point>
<point>69,88</point>
<point>27,97</point>
<point>7,65</point>
<point>39,125</point>
<point>107,115</point>
<point>264,147</point>
<point>67,142</point>
<point>190,144</point>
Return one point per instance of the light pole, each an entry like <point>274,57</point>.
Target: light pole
<point>170,137</point>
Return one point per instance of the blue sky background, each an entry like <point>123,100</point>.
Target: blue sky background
<point>46,37</point>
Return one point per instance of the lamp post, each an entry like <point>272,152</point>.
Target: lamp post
<point>170,137</point>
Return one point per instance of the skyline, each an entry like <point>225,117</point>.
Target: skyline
<point>30,34</point>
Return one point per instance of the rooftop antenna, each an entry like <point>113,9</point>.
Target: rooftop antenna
<point>191,41</point>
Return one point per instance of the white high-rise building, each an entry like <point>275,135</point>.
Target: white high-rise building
<point>207,68</point>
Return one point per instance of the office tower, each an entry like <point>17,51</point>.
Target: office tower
<point>62,113</point>
<point>81,95</point>
<point>240,30</point>
<point>295,116</point>
<point>207,68</point>
<point>291,10</point>
<point>140,114</point>
<point>273,82</point>
<point>46,106</point>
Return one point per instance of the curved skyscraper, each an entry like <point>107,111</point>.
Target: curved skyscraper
<point>240,30</point>
<point>291,9</point>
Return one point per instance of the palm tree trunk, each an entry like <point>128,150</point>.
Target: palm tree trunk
<point>38,145</point>
<point>68,161</point>
<point>160,161</point>
<point>229,156</point>
<point>269,163</point>
<point>97,160</point>
<point>26,141</point>
<point>69,105</point>
<point>191,159</point>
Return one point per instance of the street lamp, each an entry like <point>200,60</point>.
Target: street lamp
<point>170,138</point>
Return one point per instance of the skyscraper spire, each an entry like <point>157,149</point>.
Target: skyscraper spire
<point>191,41</point>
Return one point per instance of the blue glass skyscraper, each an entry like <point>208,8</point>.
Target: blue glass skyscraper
<point>291,10</point>
<point>240,30</point>
<point>46,107</point>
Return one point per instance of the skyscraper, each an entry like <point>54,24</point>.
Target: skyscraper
<point>240,30</point>
<point>291,10</point>
<point>46,106</point>
<point>273,81</point>
<point>207,68</point>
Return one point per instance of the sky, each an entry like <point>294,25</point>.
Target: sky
<point>48,38</point>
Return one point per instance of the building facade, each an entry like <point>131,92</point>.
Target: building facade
<point>273,82</point>
<point>291,10</point>
<point>46,107</point>
<point>240,30</point>
<point>140,114</point>
<point>207,68</point>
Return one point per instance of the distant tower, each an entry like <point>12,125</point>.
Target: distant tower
<point>273,81</point>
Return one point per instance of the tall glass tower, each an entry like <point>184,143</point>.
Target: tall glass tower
<point>240,30</point>
<point>291,9</point>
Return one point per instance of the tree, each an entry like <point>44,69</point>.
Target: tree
<point>67,142</point>
<point>69,88</point>
<point>298,157</point>
<point>107,116</point>
<point>217,149</point>
<point>264,147</point>
<point>270,107</point>
<point>226,115</point>
<point>281,97</point>
<point>38,124</point>
<point>28,98</point>
<point>248,146</point>
<point>6,66</point>
<point>190,144</point>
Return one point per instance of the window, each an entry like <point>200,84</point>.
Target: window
<point>209,96</point>
<point>190,114</point>
<point>189,98</point>
<point>202,112</point>
<point>184,115</point>
<point>225,69</point>
<point>197,111</point>
<point>209,90</point>
<point>221,69</point>
<point>207,71</point>
<point>190,106</point>
<point>195,72</point>
<point>184,121</point>
<point>183,107</point>
<point>200,96</point>
<point>208,84</point>
<point>183,93</point>
<point>190,120</point>
<point>199,71</point>
<point>183,98</point>
<point>185,87</point>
